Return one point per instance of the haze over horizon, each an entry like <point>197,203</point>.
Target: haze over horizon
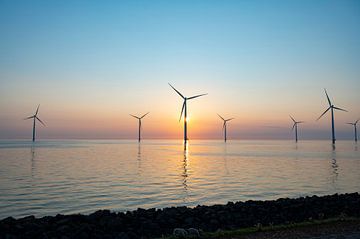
<point>90,65</point>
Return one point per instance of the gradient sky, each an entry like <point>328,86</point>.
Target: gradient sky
<point>92,63</point>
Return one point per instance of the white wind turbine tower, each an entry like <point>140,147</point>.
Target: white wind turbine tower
<point>139,118</point>
<point>295,126</point>
<point>184,109</point>
<point>224,125</point>
<point>355,128</point>
<point>331,107</point>
<point>35,117</point>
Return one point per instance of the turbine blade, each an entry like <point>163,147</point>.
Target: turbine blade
<point>30,117</point>
<point>339,109</point>
<point>40,120</point>
<point>327,97</point>
<point>144,115</point>
<point>182,110</point>
<point>224,125</point>
<point>221,117</point>
<point>37,110</point>
<point>300,122</point>
<point>196,96</point>
<point>229,119</point>
<point>323,113</point>
<point>350,123</point>
<point>293,126</point>
<point>357,121</point>
<point>292,118</point>
<point>176,91</point>
<point>134,116</point>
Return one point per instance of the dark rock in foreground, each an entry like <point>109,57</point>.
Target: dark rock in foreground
<point>157,222</point>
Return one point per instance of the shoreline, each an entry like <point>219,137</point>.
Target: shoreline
<point>155,223</point>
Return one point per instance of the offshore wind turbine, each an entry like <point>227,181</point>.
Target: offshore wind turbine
<point>224,125</point>
<point>35,117</point>
<point>295,126</point>
<point>139,118</point>
<point>355,129</point>
<point>331,108</point>
<point>184,109</point>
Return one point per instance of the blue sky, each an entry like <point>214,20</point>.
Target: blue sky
<point>91,63</point>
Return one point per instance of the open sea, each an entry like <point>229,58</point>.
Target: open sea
<point>77,176</point>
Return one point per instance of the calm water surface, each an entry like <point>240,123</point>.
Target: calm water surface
<point>51,177</point>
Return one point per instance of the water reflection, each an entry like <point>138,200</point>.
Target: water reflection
<point>32,160</point>
<point>225,158</point>
<point>70,179</point>
<point>185,166</point>
<point>139,159</point>
<point>185,174</point>
<point>335,167</point>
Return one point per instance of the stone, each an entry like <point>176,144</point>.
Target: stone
<point>193,233</point>
<point>180,233</point>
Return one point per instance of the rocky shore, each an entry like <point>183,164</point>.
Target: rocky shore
<point>152,223</point>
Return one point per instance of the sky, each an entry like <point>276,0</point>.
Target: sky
<point>90,64</point>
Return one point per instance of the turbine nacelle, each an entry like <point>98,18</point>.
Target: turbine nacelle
<point>355,123</point>
<point>184,109</point>
<point>295,122</point>
<point>185,99</point>
<point>35,117</point>
<point>225,120</point>
<point>139,119</point>
<point>331,106</point>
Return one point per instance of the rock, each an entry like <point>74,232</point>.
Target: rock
<point>193,233</point>
<point>9,236</point>
<point>149,223</point>
<point>180,233</point>
<point>122,235</point>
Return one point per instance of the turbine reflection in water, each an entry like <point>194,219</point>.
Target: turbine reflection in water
<point>84,176</point>
<point>225,159</point>
<point>334,166</point>
<point>185,171</point>
<point>32,159</point>
<point>139,159</point>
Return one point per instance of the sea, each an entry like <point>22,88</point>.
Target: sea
<point>52,177</point>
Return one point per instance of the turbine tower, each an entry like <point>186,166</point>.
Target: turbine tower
<point>296,127</point>
<point>35,117</point>
<point>355,129</point>
<point>184,109</point>
<point>139,118</point>
<point>332,108</point>
<point>224,125</point>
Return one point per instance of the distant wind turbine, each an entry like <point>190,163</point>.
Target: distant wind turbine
<point>354,124</point>
<point>331,107</point>
<point>296,127</point>
<point>224,125</point>
<point>184,109</point>
<point>35,117</point>
<point>139,118</point>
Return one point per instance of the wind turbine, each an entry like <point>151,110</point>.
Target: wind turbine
<point>184,109</point>
<point>296,127</point>
<point>331,107</point>
<point>34,117</point>
<point>224,125</point>
<point>354,124</point>
<point>139,118</point>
